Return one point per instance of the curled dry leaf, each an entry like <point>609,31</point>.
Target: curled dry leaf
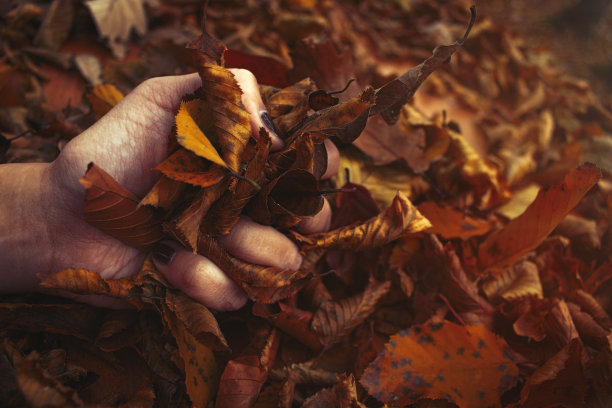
<point>336,319</point>
<point>114,210</point>
<point>467,365</point>
<point>399,219</point>
<point>264,284</point>
<point>520,281</point>
<point>501,249</point>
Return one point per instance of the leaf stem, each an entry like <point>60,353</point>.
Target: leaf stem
<point>244,178</point>
<point>470,25</point>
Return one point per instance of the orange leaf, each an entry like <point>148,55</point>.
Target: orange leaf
<point>103,98</point>
<point>336,319</point>
<point>467,365</point>
<point>164,194</point>
<point>190,136</point>
<point>200,365</point>
<point>450,223</point>
<point>184,166</point>
<point>82,281</point>
<point>114,210</point>
<point>502,249</point>
<point>399,219</point>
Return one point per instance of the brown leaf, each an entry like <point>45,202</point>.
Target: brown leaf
<point>185,166</point>
<point>293,321</point>
<point>56,26</point>
<point>283,200</point>
<point>501,249</point>
<point>201,372</point>
<point>244,375</point>
<point>560,381</point>
<point>82,281</point>
<point>290,105</point>
<point>333,320</point>
<point>392,96</point>
<point>226,211</point>
<point>522,280</point>
<point>399,219</point>
<point>114,210</point>
<point>264,284</point>
<point>197,319</point>
<point>231,122</point>
<point>164,194</point>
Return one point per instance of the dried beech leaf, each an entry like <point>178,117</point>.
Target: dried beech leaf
<point>290,105</point>
<point>293,194</point>
<point>563,372</point>
<point>103,98</point>
<point>392,96</point>
<point>334,320</point>
<point>231,122</point>
<point>450,223</point>
<point>467,365</point>
<point>399,219</point>
<point>84,282</point>
<point>244,375</point>
<point>199,363</point>
<point>114,210</point>
<point>190,136</point>
<point>197,319</point>
<point>185,166</point>
<point>501,249</point>
<point>345,121</point>
<point>226,211</point>
<point>264,284</point>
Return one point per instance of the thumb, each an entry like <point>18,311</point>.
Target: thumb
<point>198,277</point>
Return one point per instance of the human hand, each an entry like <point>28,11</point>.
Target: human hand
<point>46,202</point>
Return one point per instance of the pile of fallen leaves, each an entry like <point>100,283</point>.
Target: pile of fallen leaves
<point>468,261</point>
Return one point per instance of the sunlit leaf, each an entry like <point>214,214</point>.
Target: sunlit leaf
<point>501,249</point>
<point>103,98</point>
<point>450,223</point>
<point>185,166</point>
<point>520,281</point>
<point>191,137</point>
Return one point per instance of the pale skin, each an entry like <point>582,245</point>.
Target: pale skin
<point>41,204</point>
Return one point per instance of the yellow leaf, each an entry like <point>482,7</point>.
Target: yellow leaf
<point>191,137</point>
<point>103,98</point>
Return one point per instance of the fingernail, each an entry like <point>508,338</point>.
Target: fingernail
<point>267,121</point>
<point>163,253</point>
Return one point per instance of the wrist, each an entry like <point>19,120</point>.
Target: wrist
<point>25,240</point>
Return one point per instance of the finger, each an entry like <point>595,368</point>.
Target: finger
<point>333,159</point>
<point>198,277</point>
<point>251,99</point>
<point>319,222</point>
<point>261,245</point>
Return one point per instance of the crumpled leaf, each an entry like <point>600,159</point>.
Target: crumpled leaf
<point>392,96</point>
<point>285,199</point>
<point>399,219</point>
<point>115,20</point>
<point>334,320</point>
<point>199,363</point>
<point>114,210</point>
<point>103,98</point>
<point>559,382</point>
<point>342,395</point>
<point>467,365</point>
<point>244,375</point>
<point>226,211</point>
<point>501,249</point>
<point>290,105</point>
<point>516,283</point>
<point>85,282</point>
<point>264,284</point>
